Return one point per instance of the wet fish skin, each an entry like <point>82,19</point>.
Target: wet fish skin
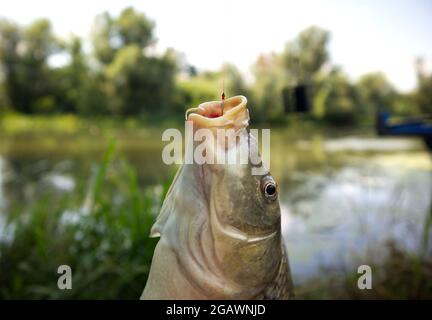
<point>220,233</point>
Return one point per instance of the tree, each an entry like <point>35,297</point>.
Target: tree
<point>267,89</point>
<point>24,53</point>
<point>376,93</point>
<point>138,83</point>
<point>78,88</point>
<point>135,81</point>
<point>338,99</point>
<point>196,87</point>
<point>101,38</point>
<point>10,38</point>
<point>112,34</point>
<point>3,99</point>
<point>299,64</point>
<point>233,80</point>
<point>306,55</point>
<point>133,27</point>
<point>423,93</point>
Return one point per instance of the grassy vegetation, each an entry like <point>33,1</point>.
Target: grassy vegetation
<point>101,230</point>
<point>401,275</point>
<point>12,123</point>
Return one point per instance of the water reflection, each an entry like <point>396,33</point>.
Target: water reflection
<point>334,220</point>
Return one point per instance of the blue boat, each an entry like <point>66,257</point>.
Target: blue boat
<point>413,127</point>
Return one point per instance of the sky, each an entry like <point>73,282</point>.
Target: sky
<point>366,36</point>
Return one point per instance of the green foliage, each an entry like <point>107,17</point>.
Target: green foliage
<point>195,90</point>
<point>334,98</point>
<point>101,230</point>
<point>337,99</point>
<point>400,275</point>
<point>233,81</point>
<point>268,87</point>
<point>101,38</point>
<point>305,56</point>
<point>23,58</point>
<point>111,34</point>
<point>73,79</point>
<point>3,98</point>
<point>376,93</point>
<point>135,82</point>
<point>423,94</point>
<point>134,28</point>
<point>123,76</point>
<point>127,81</point>
<point>300,63</point>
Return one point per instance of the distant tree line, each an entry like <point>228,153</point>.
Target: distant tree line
<point>122,75</point>
<point>118,77</point>
<point>334,97</point>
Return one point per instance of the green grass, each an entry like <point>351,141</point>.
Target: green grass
<point>12,123</point>
<point>101,231</point>
<point>401,275</point>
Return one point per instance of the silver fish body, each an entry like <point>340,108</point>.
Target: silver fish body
<point>219,226</point>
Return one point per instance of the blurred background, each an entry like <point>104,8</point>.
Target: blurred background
<point>87,88</point>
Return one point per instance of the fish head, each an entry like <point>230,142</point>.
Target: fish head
<point>239,185</point>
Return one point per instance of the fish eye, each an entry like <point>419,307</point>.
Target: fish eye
<point>269,189</point>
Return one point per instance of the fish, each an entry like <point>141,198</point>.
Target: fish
<point>220,224</point>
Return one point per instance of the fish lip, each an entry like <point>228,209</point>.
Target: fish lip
<point>226,111</point>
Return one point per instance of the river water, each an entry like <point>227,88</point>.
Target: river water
<point>343,197</point>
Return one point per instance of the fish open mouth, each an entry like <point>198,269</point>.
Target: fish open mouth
<point>227,112</point>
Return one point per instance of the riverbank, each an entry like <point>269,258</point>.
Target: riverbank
<point>16,123</point>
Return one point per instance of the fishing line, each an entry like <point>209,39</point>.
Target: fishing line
<point>223,54</point>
